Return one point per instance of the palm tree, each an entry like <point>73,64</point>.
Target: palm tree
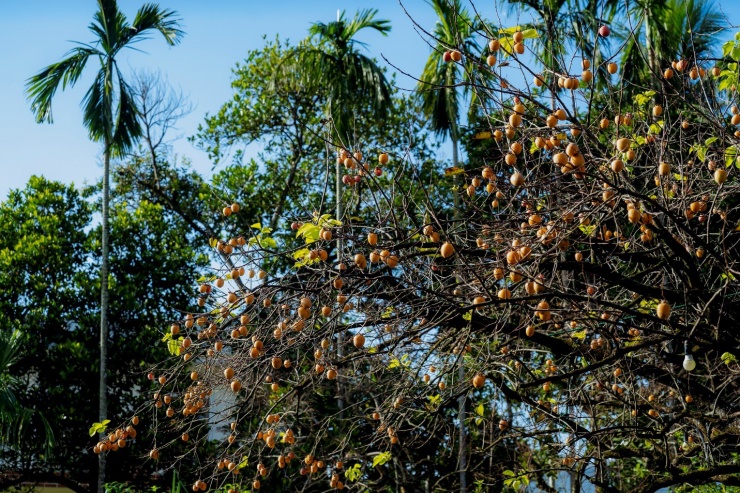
<point>330,61</point>
<point>561,24</point>
<point>668,29</point>
<point>14,418</point>
<point>437,86</point>
<point>109,113</point>
<point>440,102</point>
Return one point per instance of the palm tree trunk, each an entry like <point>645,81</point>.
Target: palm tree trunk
<point>461,458</point>
<point>103,399</point>
<point>650,45</point>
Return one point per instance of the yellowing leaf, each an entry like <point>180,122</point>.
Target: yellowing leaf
<point>381,459</point>
<point>454,170</point>
<point>483,135</point>
<point>580,335</point>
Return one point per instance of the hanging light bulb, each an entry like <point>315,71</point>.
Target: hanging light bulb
<point>688,361</point>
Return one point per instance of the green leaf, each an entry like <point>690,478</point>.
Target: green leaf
<point>99,427</point>
<point>173,347</point>
<point>643,98</point>
<point>435,399</point>
<point>728,358</point>
<point>506,45</point>
<point>480,410</point>
<point>656,127</point>
<point>353,473</point>
<point>468,315</point>
<point>244,463</point>
<point>730,155</point>
<point>309,232</point>
<point>710,141</point>
<point>701,153</point>
<point>256,226</point>
<point>510,30</point>
<point>530,34</point>
<point>587,230</point>
<point>381,458</point>
<point>735,53</point>
<point>580,335</point>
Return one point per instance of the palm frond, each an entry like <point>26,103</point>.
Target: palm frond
<point>365,19</point>
<point>97,103</point>
<point>151,17</point>
<point>127,128</point>
<point>40,88</point>
<point>108,25</point>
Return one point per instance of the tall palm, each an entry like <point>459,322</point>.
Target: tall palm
<point>665,30</point>
<point>332,62</point>
<point>438,85</point>
<point>109,113</point>
<point>562,24</point>
<point>440,102</point>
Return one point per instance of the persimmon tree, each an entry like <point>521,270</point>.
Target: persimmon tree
<point>587,286</point>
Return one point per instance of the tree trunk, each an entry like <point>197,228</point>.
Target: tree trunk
<point>650,46</point>
<point>103,400</point>
<point>461,458</point>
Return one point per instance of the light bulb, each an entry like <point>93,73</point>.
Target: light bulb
<point>689,363</point>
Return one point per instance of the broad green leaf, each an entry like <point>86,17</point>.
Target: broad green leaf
<point>730,155</point>
<point>710,141</point>
<point>735,53</point>
<point>309,232</point>
<point>530,34</point>
<point>173,347</point>
<point>381,459</point>
<point>256,226</point>
<point>353,473</point>
<point>99,427</point>
<point>727,48</point>
<point>480,410</point>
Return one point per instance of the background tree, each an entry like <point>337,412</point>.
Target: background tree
<point>661,31</point>
<point>110,116</point>
<point>50,250</point>
<point>14,418</point>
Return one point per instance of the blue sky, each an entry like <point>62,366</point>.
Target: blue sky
<point>35,33</point>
